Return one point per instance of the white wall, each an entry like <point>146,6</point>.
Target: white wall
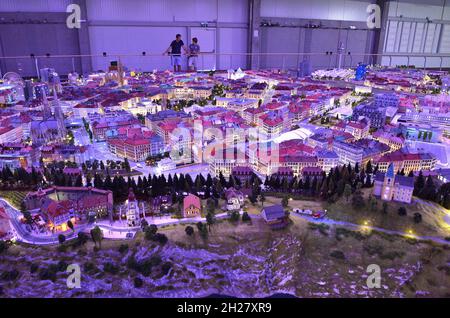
<point>133,26</point>
<point>168,10</point>
<point>133,39</point>
<point>344,10</point>
<point>34,5</point>
<point>415,35</point>
<point>433,9</point>
<point>154,10</point>
<point>232,40</point>
<point>336,17</point>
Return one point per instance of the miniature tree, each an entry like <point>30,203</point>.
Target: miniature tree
<point>61,238</point>
<point>285,202</point>
<point>97,236</point>
<point>246,217</point>
<point>126,165</point>
<point>358,200</point>
<point>385,208</point>
<point>347,191</point>
<point>70,225</point>
<point>82,238</point>
<point>189,230</point>
<point>417,217</point>
<point>402,211</point>
<point>26,213</point>
<point>262,199</point>
<point>150,231</point>
<point>210,220</point>
<point>369,168</point>
<point>202,229</point>
<point>210,206</point>
<point>234,217</point>
<point>144,224</point>
<point>3,246</point>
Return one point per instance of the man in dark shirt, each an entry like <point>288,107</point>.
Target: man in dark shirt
<point>175,52</point>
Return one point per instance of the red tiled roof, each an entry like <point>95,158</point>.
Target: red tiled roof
<point>399,156</point>
<point>298,158</point>
<point>192,200</point>
<point>3,214</point>
<point>55,208</point>
<point>312,170</point>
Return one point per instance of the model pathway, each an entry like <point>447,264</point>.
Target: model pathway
<point>28,237</point>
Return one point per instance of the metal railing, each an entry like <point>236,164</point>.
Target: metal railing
<point>29,66</point>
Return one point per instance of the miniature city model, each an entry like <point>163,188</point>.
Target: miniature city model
<point>187,184</point>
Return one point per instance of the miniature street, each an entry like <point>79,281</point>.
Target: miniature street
<point>249,148</point>
<point>117,230</point>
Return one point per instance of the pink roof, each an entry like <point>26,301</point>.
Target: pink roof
<point>312,170</point>
<point>399,156</point>
<point>4,130</point>
<point>271,120</point>
<point>131,196</point>
<point>254,110</point>
<point>357,125</point>
<point>55,208</point>
<point>68,170</point>
<point>273,105</point>
<point>298,158</point>
<point>137,141</point>
<point>284,170</point>
<point>3,214</point>
<point>192,200</point>
<point>168,125</point>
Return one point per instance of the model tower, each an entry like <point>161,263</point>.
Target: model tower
<point>387,190</point>
<point>132,209</point>
<point>59,116</point>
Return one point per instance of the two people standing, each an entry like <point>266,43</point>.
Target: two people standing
<point>174,50</point>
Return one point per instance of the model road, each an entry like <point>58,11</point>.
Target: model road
<point>369,227</point>
<point>25,236</point>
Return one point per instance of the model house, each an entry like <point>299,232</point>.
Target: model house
<point>391,187</point>
<point>192,206</point>
<point>58,205</point>
<point>235,199</point>
<point>274,216</point>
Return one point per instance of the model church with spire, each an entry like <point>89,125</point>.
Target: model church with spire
<point>132,213</point>
<point>391,187</point>
<point>51,128</point>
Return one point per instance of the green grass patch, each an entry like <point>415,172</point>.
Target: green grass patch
<point>323,228</point>
<point>343,232</point>
<point>377,249</point>
<point>14,198</point>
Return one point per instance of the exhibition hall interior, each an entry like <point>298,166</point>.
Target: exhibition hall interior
<point>253,149</point>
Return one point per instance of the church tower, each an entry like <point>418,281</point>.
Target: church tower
<point>59,116</point>
<point>133,218</point>
<point>46,110</point>
<point>164,101</point>
<point>387,190</point>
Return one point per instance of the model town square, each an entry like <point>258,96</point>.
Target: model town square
<point>188,174</point>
